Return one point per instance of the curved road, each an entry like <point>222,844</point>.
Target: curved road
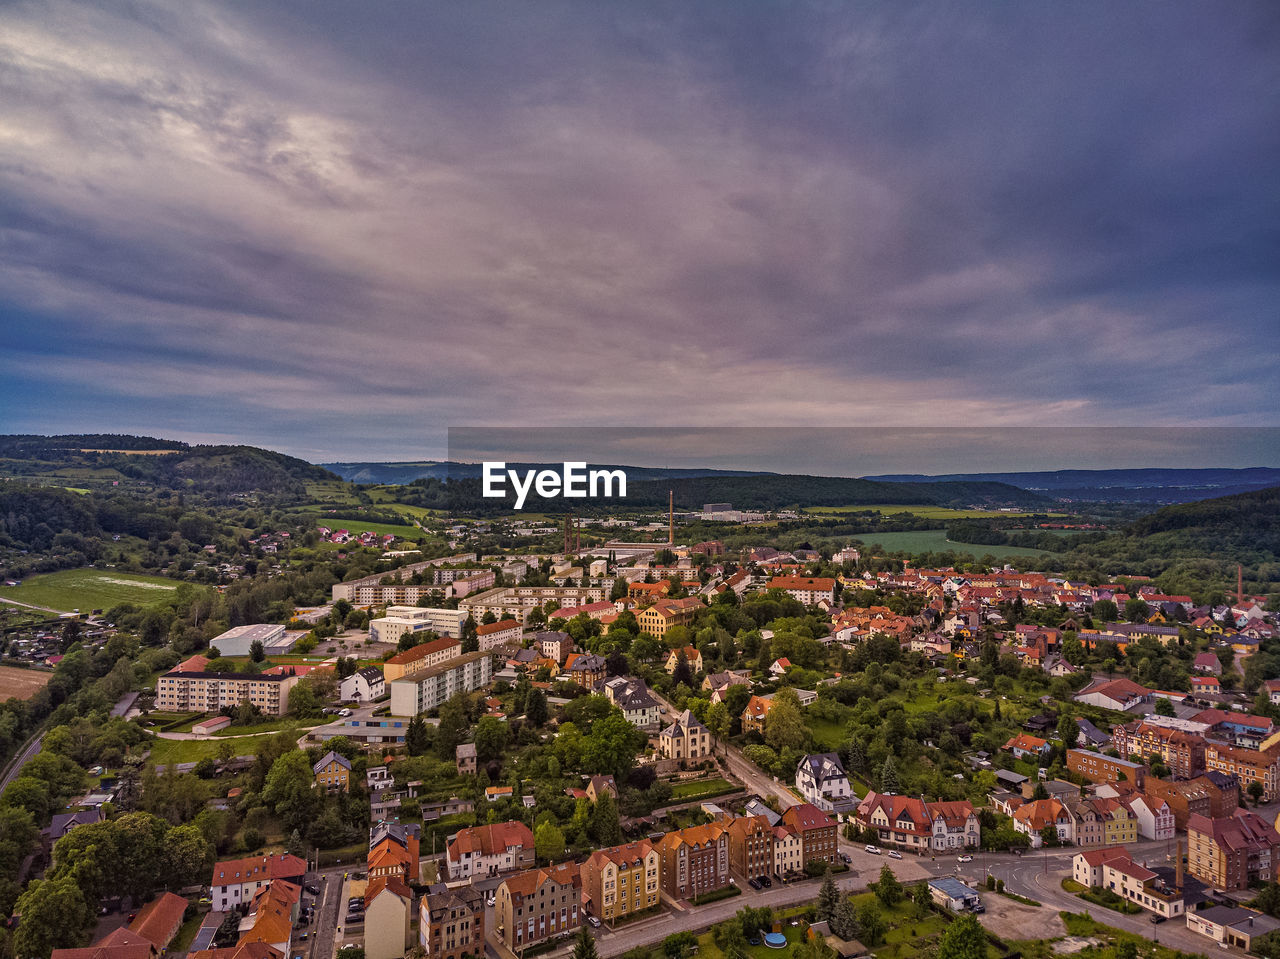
<point>20,760</point>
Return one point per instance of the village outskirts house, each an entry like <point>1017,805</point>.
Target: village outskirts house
<point>821,780</point>
<point>686,739</point>
<point>333,773</point>
<point>363,686</point>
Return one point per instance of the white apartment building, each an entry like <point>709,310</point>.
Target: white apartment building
<point>430,688</point>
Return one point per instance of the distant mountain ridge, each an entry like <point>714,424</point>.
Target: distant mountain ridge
<point>1147,485</point>
<point>392,474</point>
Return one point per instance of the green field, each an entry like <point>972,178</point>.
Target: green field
<point>167,751</point>
<point>86,589</point>
<point>357,526</point>
<point>925,511</point>
<point>935,541</point>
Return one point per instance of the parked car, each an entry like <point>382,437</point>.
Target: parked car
<point>894,854</point>
<point>754,883</point>
<point>312,888</point>
<point>964,859</point>
<point>978,907</point>
<point>874,850</point>
<point>846,858</point>
<point>767,881</point>
<point>594,921</point>
<point>1156,919</point>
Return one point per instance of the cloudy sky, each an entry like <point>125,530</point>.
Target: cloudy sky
<point>337,229</point>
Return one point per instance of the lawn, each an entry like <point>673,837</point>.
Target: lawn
<point>1082,924</point>
<point>165,752</point>
<point>88,589</point>
<point>21,683</point>
<point>935,541</point>
<point>357,526</point>
<point>692,789</point>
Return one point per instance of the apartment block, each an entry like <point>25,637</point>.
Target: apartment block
<point>538,904</point>
<point>695,860</point>
<point>1098,768</point>
<point>751,846</point>
<point>622,880</point>
<point>432,687</point>
<point>201,692</point>
<point>1231,852</point>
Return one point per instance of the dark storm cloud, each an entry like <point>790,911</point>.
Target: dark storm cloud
<point>339,229</point>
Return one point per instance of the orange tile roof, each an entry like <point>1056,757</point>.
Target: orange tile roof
<point>423,651</point>
<point>160,919</point>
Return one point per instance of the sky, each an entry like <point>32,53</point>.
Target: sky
<point>340,229</point>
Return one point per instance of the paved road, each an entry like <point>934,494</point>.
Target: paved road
<point>1039,875</point>
<point>323,931</point>
<point>20,760</point>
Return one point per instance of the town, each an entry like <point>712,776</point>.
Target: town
<point>639,746</point>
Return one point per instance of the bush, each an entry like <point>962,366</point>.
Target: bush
<point>991,882</point>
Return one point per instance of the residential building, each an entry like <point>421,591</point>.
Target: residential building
<point>400,620</point>
<point>160,919</point>
<point>821,780</point>
<point>236,880</point>
<point>1248,765</point>
<point>585,669</point>
<point>430,688</point>
<point>788,851</point>
<point>722,681</point>
<point>363,686</point>
<point>686,739</point>
<point>695,861</point>
<point>422,657</point>
<point>202,692</point>
<point>1179,746</point>
<point>692,656</point>
<point>490,850</point>
<point>817,832</point>
<point>388,913</point>
<point>902,821</point>
<point>755,714</point>
<point>501,633</point>
<point>538,904</point>
<point>1154,816</point>
<point>1115,870</point>
<point>632,696</point>
<point>394,852</point>
<point>333,773</point>
<point>1203,796</point>
<point>1228,853</point>
<point>465,756</point>
<point>1098,768</point>
<point>597,786</point>
<point>451,923</point>
<point>955,825</point>
<point>622,880</point>
<point>515,602</point>
<point>751,846</point>
<point>666,613</point>
<point>1031,819</point>
<point>807,590</point>
<point>554,645</point>
<point>1025,746</point>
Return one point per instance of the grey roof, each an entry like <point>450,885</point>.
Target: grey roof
<point>823,767</point>
<point>466,751</point>
<point>329,757</point>
<point>1092,733</point>
<point>1238,917</point>
<point>399,832</point>
<point>587,663</point>
<point>685,719</point>
<point>630,693</point>
<point>756,807</point>
<point>370,673</point>
<point>953,888</point>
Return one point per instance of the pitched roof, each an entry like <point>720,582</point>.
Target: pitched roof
<point>160,919</point>
<point>806,816</point>
<point>257,868</point>
<point>499,627</point>
<point>330,757</point>
<point>527,883</point>
<point>423,650</point>
<point>624,855</point>
<point>491,839</point>
<point>392,884</point>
